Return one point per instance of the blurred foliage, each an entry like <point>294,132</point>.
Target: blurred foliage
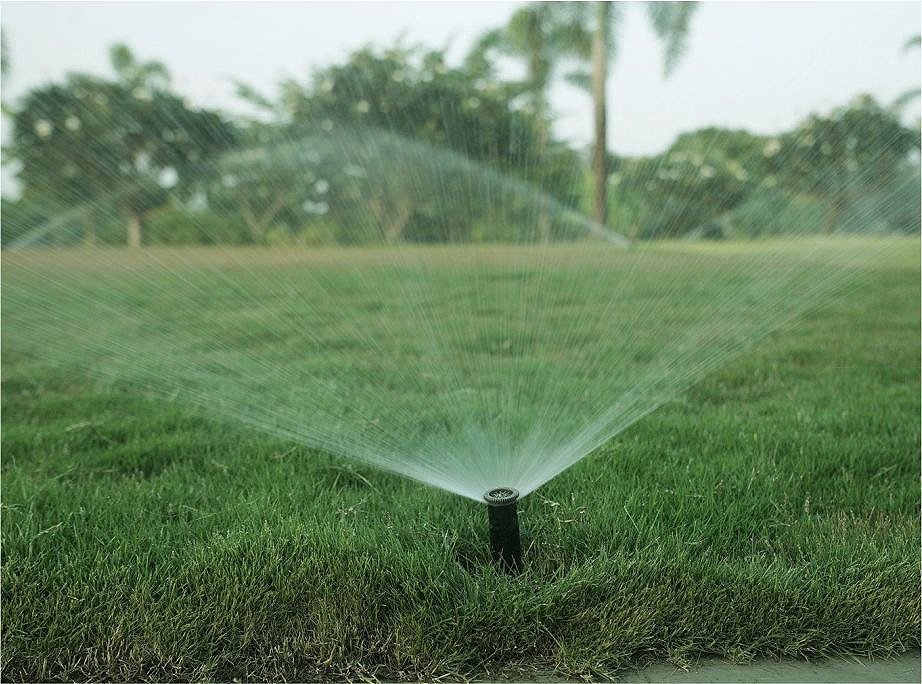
<point>593,33</point>
<point>697,179</point>
<point>907,97</point>
<point>393,145</point>
<point>856,166</point>
<point>542,35</point>
<point>414,93</point>
<point>129,141</point>
<point>21,217</point>
<point>844,157</point>
<point>178,226</point>
<point>359,185</point>
<point>396,144</point>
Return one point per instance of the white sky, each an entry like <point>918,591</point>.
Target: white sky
<point>761,66</point>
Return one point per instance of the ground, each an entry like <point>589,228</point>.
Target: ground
<point>773,510</point>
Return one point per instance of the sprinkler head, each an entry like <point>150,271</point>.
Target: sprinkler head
<point>505,544</point>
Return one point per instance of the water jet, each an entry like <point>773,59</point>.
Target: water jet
<point>505,543</point>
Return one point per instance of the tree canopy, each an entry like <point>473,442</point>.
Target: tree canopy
<point>855,158</point>
<point>125,141</point>
<point>399,144</point>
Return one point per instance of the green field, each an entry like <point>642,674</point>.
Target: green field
<point>773,510</point>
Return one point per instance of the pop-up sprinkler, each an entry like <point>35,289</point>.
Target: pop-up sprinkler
<point>505,544</point>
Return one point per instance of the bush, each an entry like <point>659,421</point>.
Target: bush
<point>23,221</point>
<point>319,232</point>
<point>173,226</point>
<point>769,212</point>
<point>893,207</point>
<point>279,236</point>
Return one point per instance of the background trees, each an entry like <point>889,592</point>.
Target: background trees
<point>543,35</point>
<point>853,169</point>
<point>398,144</point>
<point>854,155</point>
<point>547,36</point>
<point>595,44</point>
<point>419,138</point>
<point>412,91</point>
<point>125,142</point>
<point>700,177</point>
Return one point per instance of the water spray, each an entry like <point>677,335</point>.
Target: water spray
<point>505,544</point>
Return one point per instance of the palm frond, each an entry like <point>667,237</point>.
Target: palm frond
<point>901,102</point>
<point>580,78</point>
<point>249,94</point>
<point>671,22</point>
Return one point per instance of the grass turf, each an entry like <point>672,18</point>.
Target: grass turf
<point>773,510</point>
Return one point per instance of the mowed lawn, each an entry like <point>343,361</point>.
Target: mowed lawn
<point>773,510</point>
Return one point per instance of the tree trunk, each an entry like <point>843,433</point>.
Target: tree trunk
<point>89,230</point>
<point>544,224</point>
<point>392,220</point>
<point>538,86</point>
<point>135,230</point>
<point>543,232</point>
<point>258,225</point>
<point>599,69</point>
<point>832,215</point>
<point>401,217</point>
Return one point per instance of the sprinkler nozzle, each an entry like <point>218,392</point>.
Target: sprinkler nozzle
<point>505,544</point>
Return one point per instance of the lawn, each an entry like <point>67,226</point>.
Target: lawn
<point>772,510</point>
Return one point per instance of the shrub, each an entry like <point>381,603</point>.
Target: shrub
<point>173,226</point>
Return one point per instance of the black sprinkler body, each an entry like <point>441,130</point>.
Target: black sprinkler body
<point>505,544</point>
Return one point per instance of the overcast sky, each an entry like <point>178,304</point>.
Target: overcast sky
<point>761,66</point>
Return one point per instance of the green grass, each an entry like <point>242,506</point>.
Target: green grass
<point>771,511</point>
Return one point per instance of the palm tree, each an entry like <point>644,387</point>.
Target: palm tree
<point>600,21</point>
<point>4,54</point>
<point>901,102</point>
<point>539,33</point>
